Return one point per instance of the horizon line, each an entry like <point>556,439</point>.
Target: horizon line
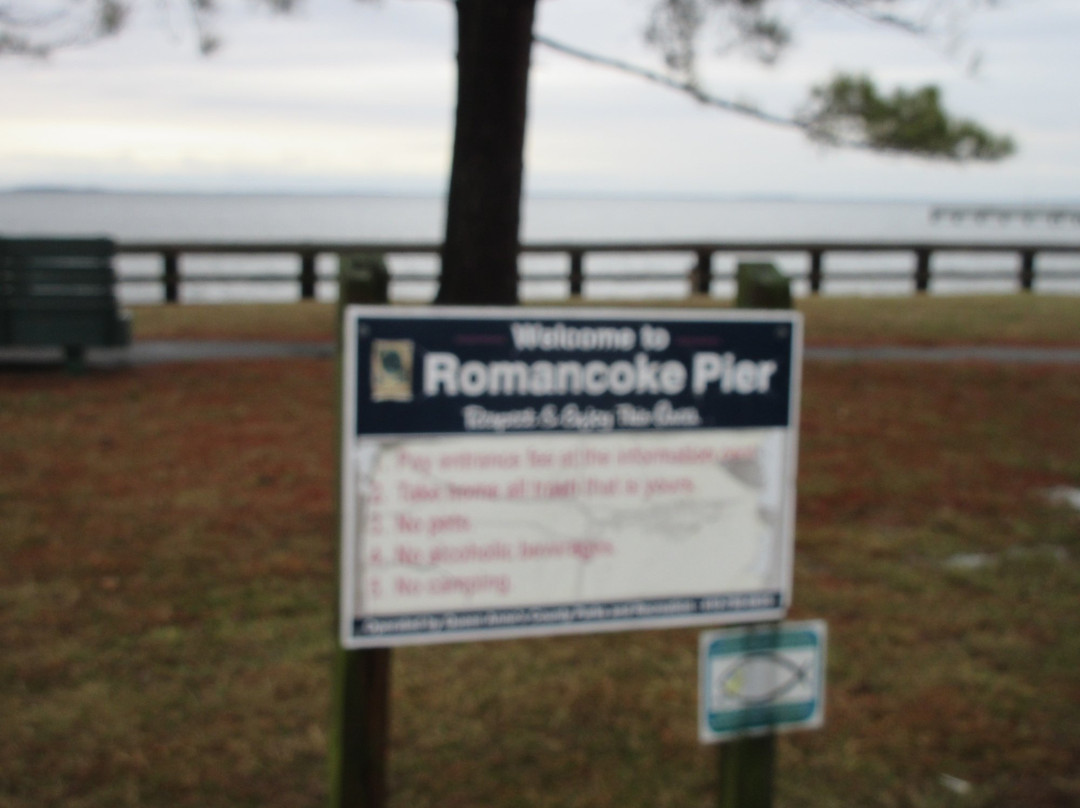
<point>552,194</point>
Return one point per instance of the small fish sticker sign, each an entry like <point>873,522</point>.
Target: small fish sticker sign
<point>756,680</point>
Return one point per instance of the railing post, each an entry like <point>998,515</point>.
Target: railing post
<point>171,276</point>
<point>816,271</point>
<point>1027,270</point>
<point>307,275</point>
<point>922,270</point>
<point>577,273</point>
<point>701,277</point>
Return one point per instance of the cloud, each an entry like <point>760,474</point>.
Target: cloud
<point>357,94</point>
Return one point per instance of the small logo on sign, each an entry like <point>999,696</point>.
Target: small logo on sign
<point>391,369</point>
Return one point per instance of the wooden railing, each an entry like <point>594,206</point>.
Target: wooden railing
<point>700,274</point>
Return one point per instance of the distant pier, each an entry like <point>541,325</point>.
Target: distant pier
<point>1006,214</point>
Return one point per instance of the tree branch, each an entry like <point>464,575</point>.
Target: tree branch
<point>38,33</point>
<point>847,112</point>
<point>860,9</point>
<point>684,86</point>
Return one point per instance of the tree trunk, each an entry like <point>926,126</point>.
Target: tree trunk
<point>483,211</point>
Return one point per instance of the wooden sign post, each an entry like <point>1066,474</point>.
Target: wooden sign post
<point>359,743</point>
<point>747,766</point>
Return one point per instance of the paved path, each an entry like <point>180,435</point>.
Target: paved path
<point>949,353</point>
<point>152,352</point>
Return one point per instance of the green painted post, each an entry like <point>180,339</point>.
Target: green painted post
<point>747,772</point>
<point>361,727</point>
<point>359,742</point>
<point>747,766</point>
<point>761,286</point>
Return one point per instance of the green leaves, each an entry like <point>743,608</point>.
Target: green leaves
<point>849,110</point>
<point>675,26</point>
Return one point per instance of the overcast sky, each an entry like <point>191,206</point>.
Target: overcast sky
<point>352,96</point>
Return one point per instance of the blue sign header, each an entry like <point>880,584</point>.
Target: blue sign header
<point>522,370</point>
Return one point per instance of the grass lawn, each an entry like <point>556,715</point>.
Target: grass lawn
<point>167,575</point>
<point>927,320</point>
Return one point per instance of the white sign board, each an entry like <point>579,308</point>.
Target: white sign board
<point>755,680</point>
<point>512,472</point>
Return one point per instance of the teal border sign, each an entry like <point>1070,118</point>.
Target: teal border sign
<point>757,680</point>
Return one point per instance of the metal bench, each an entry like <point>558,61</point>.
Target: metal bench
<point>60,292</point>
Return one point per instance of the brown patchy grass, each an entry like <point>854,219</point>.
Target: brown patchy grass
<point>305,321</point>
<point>166,607</point>
<point>938,669</point>
<point>928,320</point>
<point>165,564</point>
<point>925,320</point>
